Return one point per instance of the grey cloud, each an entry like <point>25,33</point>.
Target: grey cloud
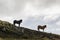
<point>54,21</point>
<point>9,7</point>
<point>32,21</point>
<point>43,3</point>
<point>14,7</point>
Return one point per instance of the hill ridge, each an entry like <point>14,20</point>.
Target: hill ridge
<point>9,30</point>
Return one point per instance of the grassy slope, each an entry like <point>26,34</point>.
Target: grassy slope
<point>11,32</point>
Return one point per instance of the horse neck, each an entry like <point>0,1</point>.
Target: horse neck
<point>44,26</point>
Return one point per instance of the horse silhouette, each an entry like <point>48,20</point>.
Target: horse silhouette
<point>41,27</point>
<point>17,22</point>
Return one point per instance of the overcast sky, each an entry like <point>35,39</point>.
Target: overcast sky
<point>33,13</point>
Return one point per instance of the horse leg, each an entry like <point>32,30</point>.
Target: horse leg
<point>43,30</point>
<point>19,25</point>
<point>14,23</point>
<point>38,29</point>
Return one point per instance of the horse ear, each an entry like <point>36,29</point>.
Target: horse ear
<point>20,19</point>
<point>45,25</point>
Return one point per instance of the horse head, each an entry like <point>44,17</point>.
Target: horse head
<point>45,26</point>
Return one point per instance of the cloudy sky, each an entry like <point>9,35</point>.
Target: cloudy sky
<point>33,13</point>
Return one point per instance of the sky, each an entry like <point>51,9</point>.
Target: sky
<point>33,13</point>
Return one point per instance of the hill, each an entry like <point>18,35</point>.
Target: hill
<point>10,32</point>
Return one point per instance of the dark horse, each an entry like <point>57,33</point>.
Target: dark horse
<point>17,22</point>
<point>41,27</point>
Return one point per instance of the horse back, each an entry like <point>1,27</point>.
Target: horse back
<point>41,27</point>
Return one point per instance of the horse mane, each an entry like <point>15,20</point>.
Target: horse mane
<point>44,25</point>
<point>20,20</point>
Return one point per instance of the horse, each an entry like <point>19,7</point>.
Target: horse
<point>41,27</point>
<point>17,22</point>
